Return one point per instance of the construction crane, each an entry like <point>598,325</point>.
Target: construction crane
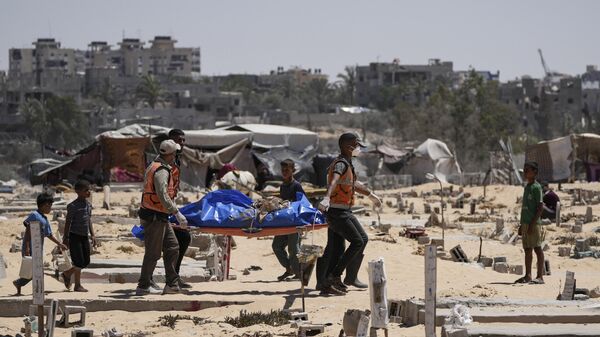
<point>552,77</point>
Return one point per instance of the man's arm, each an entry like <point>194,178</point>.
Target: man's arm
<point>68,220</point>
<point>538,212</point>
<point>58,243</point>
<point>333,184</point>
<point>361,188</point>
<point>161,182</point>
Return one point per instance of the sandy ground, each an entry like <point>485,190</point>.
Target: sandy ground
<point>403,266</point>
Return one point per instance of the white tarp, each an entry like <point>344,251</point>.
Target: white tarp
<point>432,156</point>
<point>214,138</point>
<point>269,136</point>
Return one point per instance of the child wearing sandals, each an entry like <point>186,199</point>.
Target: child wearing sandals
<point>531,227</point>
<point>77,226</point>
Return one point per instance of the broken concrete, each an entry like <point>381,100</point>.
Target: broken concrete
<point>19,306</point>
<point>522,330</point>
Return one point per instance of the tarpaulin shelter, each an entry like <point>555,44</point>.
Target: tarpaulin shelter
<point>268,136</point>
<point>432,156</point>
<point>565,158</point>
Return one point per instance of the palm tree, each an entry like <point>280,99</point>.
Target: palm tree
<point>349,83</point>
<point>150,91</point>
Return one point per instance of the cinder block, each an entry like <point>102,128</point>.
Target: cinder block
<point>73,309</point>
<point>423,240</point>
<point>516,269</point>
<point>299,316</point>
<point>498,259</point>
<point>486,261</point>
<point>564,251</point>
<point>501,267</point>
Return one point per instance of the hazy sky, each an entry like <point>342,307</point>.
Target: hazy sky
<point>255,36</point>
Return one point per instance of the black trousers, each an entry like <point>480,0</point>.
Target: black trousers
<point>343,226</point>
<point>183,238</point>
<point>79,247</point>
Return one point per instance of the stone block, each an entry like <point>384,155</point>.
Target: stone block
<point>499,259</point>
<point>437,242</point>
<point>577,228</point>
<point>595,293</point>
<point>516,269</point>
<point>499,225</point>
<point>588,215</point>
<point>73,309</point>
<point>564,251</point>
<point>501,267</point>
<point>423,240</point>
<point>582,245</point>
<point>486,261</point>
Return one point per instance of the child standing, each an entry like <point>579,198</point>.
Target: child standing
<point>44,206</point>
<point>77,226</point>
<point>287,191</point>
<point>531,229</point>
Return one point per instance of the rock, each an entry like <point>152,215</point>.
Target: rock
<point>595,293</point>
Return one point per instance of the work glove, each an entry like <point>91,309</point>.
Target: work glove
<point>376,201</point>
<point>324,204</point>
<point>181,219</point>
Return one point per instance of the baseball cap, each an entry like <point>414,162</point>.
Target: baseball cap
<point>169,146</point>
<point>348,137</point>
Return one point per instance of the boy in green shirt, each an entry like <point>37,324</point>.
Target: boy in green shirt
<point>530,229</point>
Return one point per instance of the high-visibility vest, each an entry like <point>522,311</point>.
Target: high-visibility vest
<point>343,194</point>
<point>175,172</point>
<point>150,199</point>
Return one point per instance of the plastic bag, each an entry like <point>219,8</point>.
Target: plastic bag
<point>459,316</point>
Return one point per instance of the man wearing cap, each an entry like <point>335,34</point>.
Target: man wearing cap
<point>156,206</point>
<point>182,233</point>
<point>343,225</point>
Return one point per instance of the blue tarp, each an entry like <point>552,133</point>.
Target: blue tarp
<point>233,209</point>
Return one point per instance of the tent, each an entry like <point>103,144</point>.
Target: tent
<point>566,158</point>
<point>268,136</point>
<point>432,156</point>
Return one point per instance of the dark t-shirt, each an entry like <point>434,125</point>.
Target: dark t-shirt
<point>79,213</point>
<point>551,199</point>
<point>288,191</point>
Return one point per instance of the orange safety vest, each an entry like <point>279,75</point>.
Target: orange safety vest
<point>150,199</point>
<point>175,172</point>
<point>343,194</point>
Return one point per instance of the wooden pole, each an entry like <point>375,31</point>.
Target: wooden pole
<point>37,257</point>
<point>430,289</point>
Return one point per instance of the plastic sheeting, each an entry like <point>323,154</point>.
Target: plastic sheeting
<point>232,209</point>
<point>432,156</point>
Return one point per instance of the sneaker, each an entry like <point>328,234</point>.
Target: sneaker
<point>171,290</point>
<point>147,291</point>
<point>154,285</point>
<point>184,285</point>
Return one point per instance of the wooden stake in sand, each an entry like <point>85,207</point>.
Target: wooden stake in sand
<point>430,289</point>
<point>37,257</point>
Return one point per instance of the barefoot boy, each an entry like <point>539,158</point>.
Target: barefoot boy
<point>77,226</point>
<point>531,229</point>
<point>44,206</point>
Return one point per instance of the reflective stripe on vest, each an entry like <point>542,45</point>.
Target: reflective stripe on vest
<point>150,199</point>
<point>342,195</point>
